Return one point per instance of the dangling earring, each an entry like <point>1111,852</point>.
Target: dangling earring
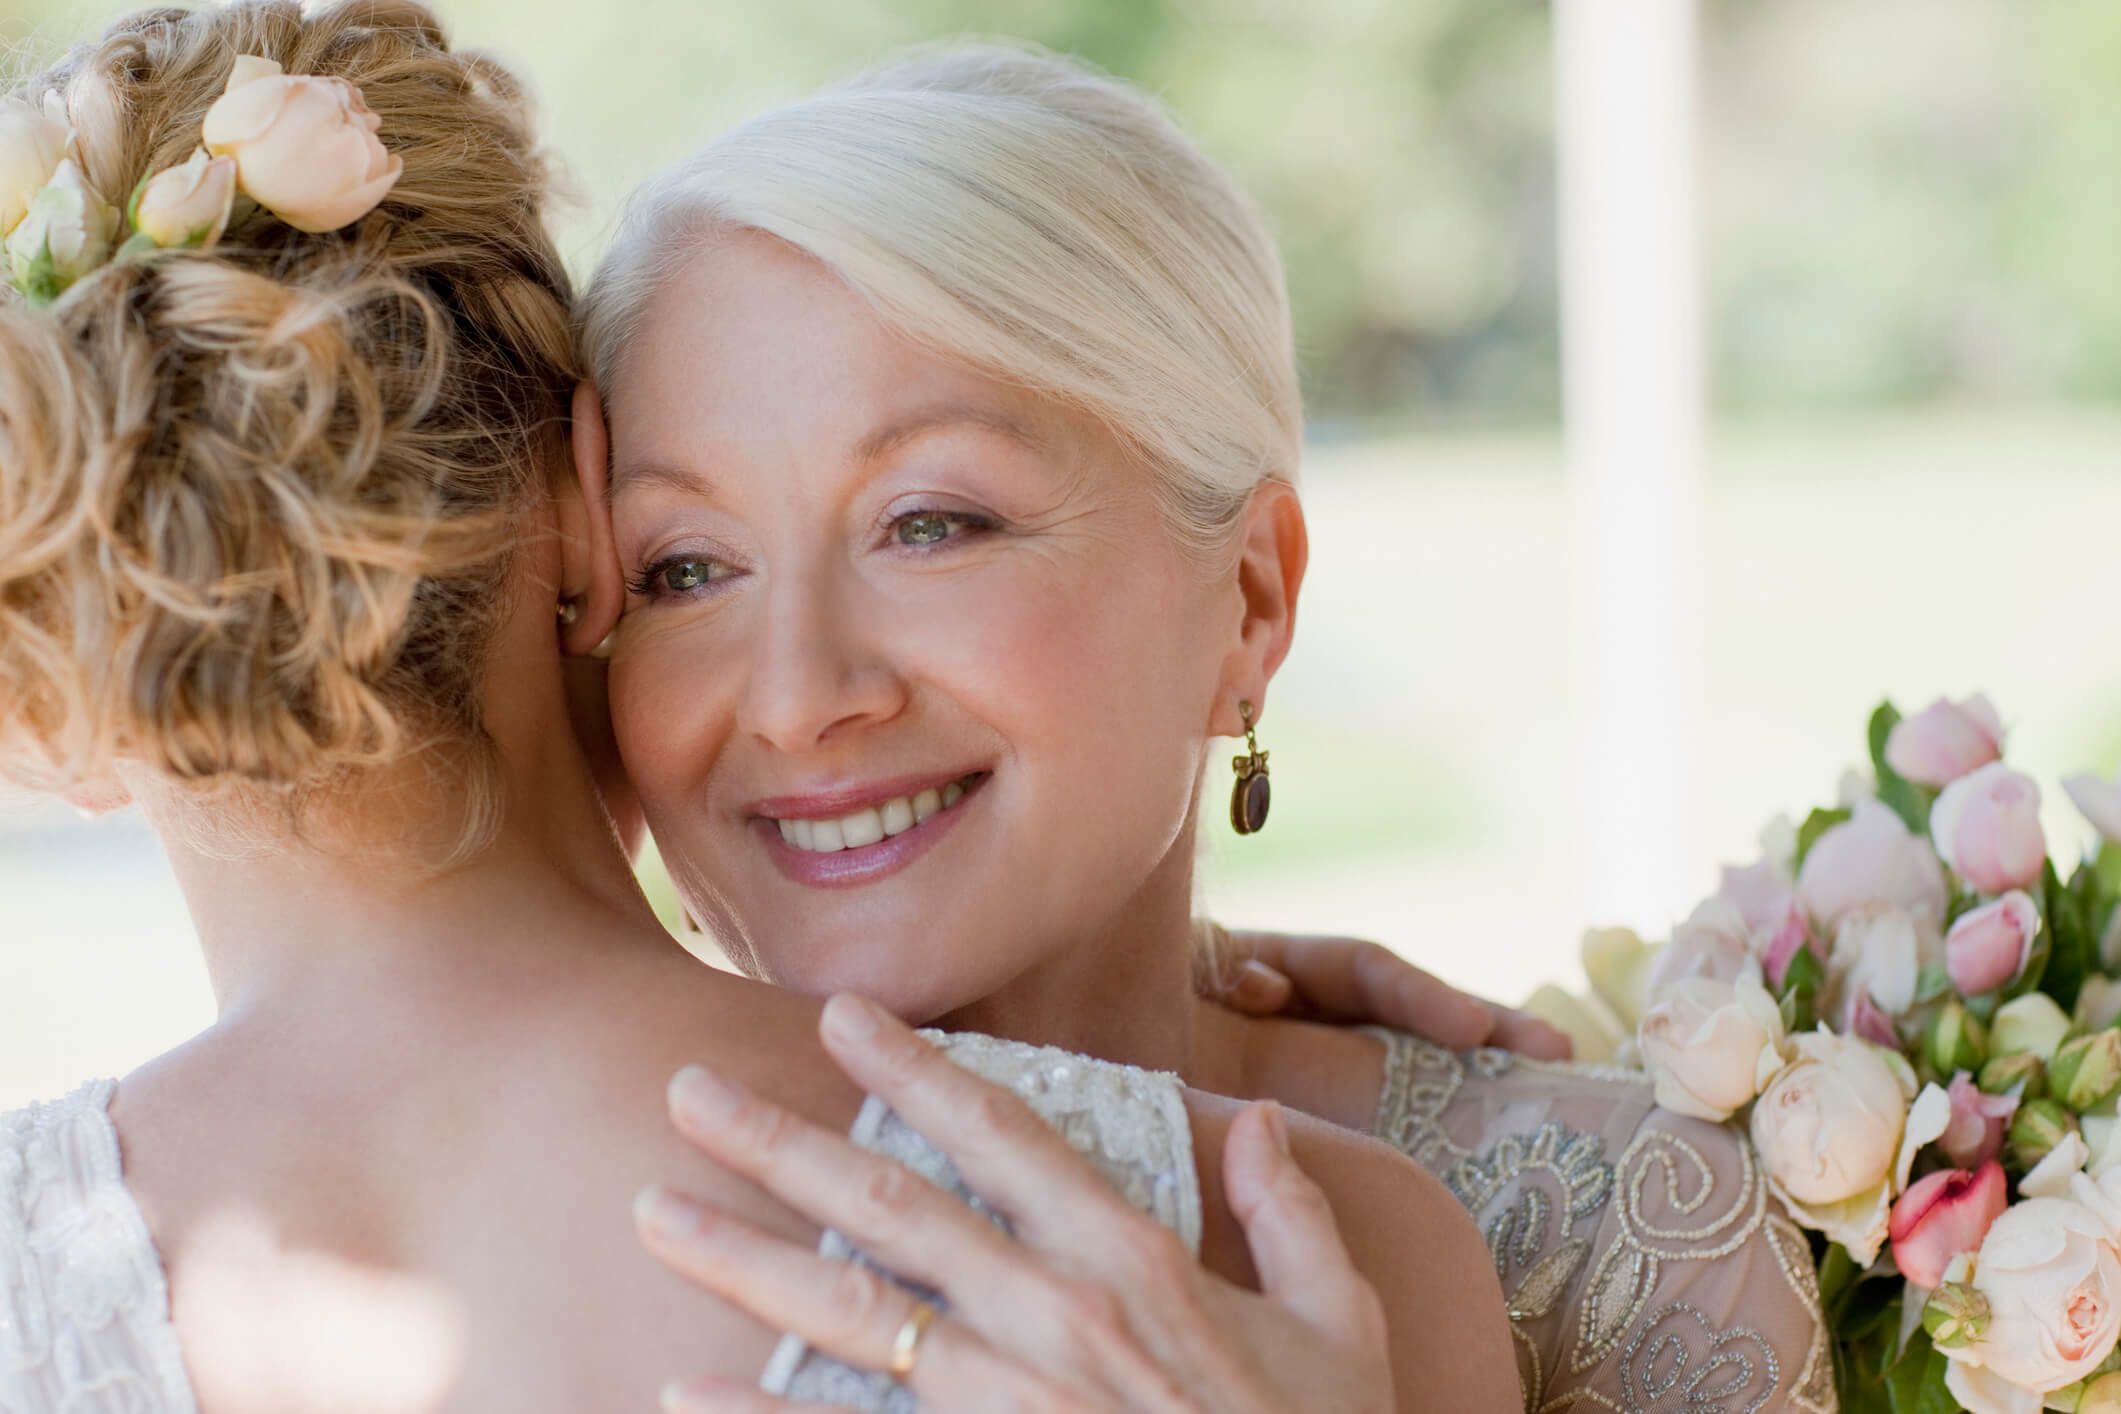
<point>1253,793</point>
<point>569,609</point>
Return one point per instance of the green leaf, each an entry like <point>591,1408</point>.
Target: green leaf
<point>1902,796</point>
<point>1915,1384</point>
<point>1883,720</point>
<point>137,245</point>
<point>2072,948</point>
<point>42,283</point>
<point>1816,824</point>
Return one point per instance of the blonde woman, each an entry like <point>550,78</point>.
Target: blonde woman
<point>277,554</point>
<point>946,479</point>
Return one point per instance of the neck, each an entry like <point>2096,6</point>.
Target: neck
<point>351,902</point>
<point>1126,994</point>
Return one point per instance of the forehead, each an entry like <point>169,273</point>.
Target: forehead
<point>749,330</point>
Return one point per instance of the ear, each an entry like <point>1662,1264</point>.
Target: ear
<point>1274,553</point>
<point>589,556</point>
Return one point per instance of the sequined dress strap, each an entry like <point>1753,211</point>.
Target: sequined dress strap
<point>1130,1123</point>
<point>84,1305</point>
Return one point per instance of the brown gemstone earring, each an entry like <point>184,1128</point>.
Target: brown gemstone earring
<point>1253,793</point>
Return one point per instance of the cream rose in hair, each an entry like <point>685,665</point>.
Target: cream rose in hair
<point>305,148</point>
<point>187,205</point>
<point>33,142</point>
<point>67,233</point>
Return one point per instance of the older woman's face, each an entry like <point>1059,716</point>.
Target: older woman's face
<point>915,683</point>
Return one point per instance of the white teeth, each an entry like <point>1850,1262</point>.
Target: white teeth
<point>866,827</point>
<point>862,828</point>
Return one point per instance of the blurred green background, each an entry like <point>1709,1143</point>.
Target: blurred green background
<point>1911,230</point>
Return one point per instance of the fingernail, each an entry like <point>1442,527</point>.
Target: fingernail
<point>690,1397</point>
<point>700,1096</point>
<point>1256,979</point>
<point>663,1213</point>
<point>1277,1127</point>
<point>850,1018</point>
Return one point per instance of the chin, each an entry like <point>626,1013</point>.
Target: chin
<point>904,985</point>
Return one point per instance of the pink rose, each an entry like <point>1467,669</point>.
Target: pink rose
<point>1863,1017</point>
<point>1978,1124</point>
<point>1945,741</point>
<point>1987,947</point>
<point>1774,925</point>
<point>1712,943</point>
<point>1987,827</point>
<point>1871,858</point>
<point>1943,1215</point>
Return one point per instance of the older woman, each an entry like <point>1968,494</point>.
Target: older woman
<point>947,518</point>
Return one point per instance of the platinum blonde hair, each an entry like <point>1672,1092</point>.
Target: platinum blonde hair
<point>1043,223</point>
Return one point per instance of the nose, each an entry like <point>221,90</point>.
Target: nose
<point>817,672</point>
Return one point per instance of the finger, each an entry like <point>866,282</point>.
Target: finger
<point>843,1310</point>
<point>1252,987</point>
<point>704,1394</point>
<point>1347,979</point>
<point>883,1207</point>
<point>1005,1153</point>
<point>1527,1035</point>
<point>1289,1226</point>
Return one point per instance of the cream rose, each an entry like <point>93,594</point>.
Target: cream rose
<point>1838,1136</point>
<point>33,142</point>
<point>67,233</point>
<point>2052,1278</point>
<point>1710,1045</point>
<point>305,147</point>
<point>187,205</point>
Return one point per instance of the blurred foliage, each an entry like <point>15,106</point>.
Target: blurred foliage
<point>1904,200</point>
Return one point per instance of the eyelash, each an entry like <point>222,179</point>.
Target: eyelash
<point>648,583</point>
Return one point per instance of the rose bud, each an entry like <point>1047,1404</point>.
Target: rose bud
<point>305,147</point>
<point>33,143</point>
<point>1956,1316</point>
<point>1709,1046</point>
<point>1945,741</point>
<point>1943,1215</point>
<point>2098,1003</point>
<point>2020,1075</point>
<point>2086,1070</point>
<point>2037,1128</point>
<point>2099,802</point>
<point>1974,1135</point>
<point>1870,858</point>
<point>1957,1040</point>
<point>1986,826</point>
<point>2029,1025</point>
<point>1987,946</point>
<point>187,205</point>
<point>66,234</point>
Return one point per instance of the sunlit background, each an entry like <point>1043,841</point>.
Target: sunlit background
<point>1841,285</point>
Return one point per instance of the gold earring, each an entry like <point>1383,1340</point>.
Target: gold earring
<point>1253,793</point>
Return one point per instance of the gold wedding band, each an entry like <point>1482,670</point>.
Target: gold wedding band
<point>906,1345</point>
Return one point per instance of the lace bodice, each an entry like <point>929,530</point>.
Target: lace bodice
<point>1130,1123</point>
<point>1645,1267</point>
<point>84,1312</point>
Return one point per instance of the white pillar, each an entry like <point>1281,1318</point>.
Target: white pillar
<point>1632,394</point>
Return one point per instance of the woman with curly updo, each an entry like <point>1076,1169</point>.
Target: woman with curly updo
<point>285,364</point>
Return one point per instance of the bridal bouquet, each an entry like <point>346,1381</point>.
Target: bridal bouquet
<point>1913,1010</point>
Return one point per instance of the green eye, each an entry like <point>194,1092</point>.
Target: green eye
<point>684,576</point>
<point>923,528</point>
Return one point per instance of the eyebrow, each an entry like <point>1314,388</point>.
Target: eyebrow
<point>886,440</point>
<point>876,445</point>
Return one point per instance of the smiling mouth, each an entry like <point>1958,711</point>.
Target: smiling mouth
<point>874,824</point>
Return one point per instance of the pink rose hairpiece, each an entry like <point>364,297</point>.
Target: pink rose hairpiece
<point>301,147</point>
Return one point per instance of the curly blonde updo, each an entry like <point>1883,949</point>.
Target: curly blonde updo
<point>257,502</point>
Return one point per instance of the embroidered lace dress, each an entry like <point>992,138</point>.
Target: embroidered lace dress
<point>1645,1267</point>
<point>84,1305</point>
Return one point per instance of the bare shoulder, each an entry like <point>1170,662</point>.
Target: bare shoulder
<point>1410,1238</point>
